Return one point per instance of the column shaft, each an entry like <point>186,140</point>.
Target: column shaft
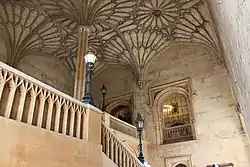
<point>79,87</point>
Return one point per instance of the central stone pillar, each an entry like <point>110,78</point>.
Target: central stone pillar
<point>79,87</point>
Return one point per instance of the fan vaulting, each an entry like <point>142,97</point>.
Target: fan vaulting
<point>125,32</point>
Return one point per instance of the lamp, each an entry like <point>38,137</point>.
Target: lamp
<point>104,91</point>
<point>139,122</point>
<point>90,59</point>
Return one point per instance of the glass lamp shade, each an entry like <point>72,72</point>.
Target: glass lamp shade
<point>90,58</point>
<point>139,122</point>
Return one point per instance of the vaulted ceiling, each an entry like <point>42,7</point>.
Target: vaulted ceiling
<point>126,32</point>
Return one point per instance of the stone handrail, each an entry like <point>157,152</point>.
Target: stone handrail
<point>116,150</point>
<point>25,99</point>
<point>122,126</point>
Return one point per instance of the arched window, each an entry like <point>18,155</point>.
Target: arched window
<point>177,125</point>
<point>181,165</point>
<point>123,113</point>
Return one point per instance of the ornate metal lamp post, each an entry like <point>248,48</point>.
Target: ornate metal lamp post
<point>139,122</point>
<point>104,91</point>
<point>90,59</point>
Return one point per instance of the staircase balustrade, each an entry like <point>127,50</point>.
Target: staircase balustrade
<point>122,126</point>
<point>116,150</point>
<point>25,99</point>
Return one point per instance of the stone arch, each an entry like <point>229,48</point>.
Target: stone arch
<point>117,103</point>
<point>180,165</point>
<point>121,103</point>
<point>157,109</point>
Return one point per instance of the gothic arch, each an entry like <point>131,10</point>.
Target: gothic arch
<point>117,103</point>
<point>129,118</point>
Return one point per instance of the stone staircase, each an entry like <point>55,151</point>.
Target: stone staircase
<point>114,148</point>
<point>29,101</point>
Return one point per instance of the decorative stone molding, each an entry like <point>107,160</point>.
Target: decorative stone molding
<point>182,86</point>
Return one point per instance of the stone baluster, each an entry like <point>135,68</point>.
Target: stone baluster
<point>107,146</point>
<point>65,117</point>
<point>3,78</point>
<point>42,99</point>
<point>128,162</point>
<point>33,96</point>
<point>11,95</point>
<point>124,158</point>
<point>103,140</point>
<point>83,115</point>
<point>78,123</point>
<point>116,153</point>
<point>59,104</point>
<point>50,110</point>
<point>112,149</point>
<point>20,108</point>
<point>72,121</point>
<point>120,155</point>
<point>135,163</point>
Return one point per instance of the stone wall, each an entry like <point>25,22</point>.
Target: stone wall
<point>118,81</point>
<point>218,130</point>
<point>24,145</point>
<point>3,55</point>
<point>232,20</point>
<point>49,70</point>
